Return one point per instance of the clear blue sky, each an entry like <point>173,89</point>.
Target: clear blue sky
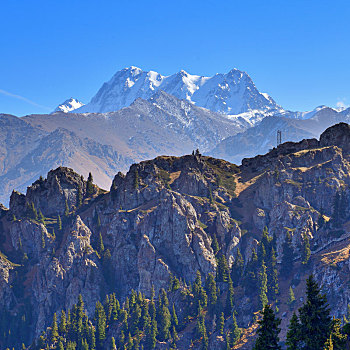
<point>297,51</point>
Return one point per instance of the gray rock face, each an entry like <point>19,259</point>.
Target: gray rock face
<point>60,277</point>
<point>51,194</point>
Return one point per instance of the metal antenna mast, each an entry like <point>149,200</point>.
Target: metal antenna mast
<point>279,137</point>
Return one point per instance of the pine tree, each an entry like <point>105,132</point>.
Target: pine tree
<point>287,257</point>
<point>222,271</point>
<point>54,329</point>
<point>63,324</point>
<point>293,334</point>
<point>33,212</point>
<point>202,332</point>
<point>268,331</point>
<point>272,275</point>
<point>338,338</point>
<point>113,346</point>
<point>100,317</point>
<point>84,344</point>
<point>200,296</point>
<point>66,209</point>
<point>174,319</point>
<point>237,268</point>
<point>251,275</point>
<point>79,196</point>
<point>328,344</point>
<point>261,253</point>
<point>151,333</point>
<point>59,222</point>
<point>164,323</point>
<point>229,297</point>
<point>314,317</point>
<point>211,292</point>
<point>347,317</point>
<point>235,332</point>
<point>291,298</point>
<point>130,342</point>
<point>306,251</point>
<point>100,245</point>
<point>112,309</point>
<point>41,218</point>
<point>90,185</point>
<point>262,278</point>
<point>220,324</point>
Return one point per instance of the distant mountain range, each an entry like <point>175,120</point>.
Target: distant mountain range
<point>231,93</point>
<point>138,115</point>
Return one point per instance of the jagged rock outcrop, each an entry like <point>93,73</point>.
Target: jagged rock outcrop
<point>61,276</point>
<point>50,195</point>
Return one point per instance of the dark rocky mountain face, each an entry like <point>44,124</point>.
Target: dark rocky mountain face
<point>163,219</point>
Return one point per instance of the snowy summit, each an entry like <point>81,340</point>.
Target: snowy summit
<point>69,105</point>
<point>230,93</point>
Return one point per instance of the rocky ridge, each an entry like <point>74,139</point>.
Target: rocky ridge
<point>160,219</point>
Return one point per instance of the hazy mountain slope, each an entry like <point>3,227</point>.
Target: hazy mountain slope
<point>63,148</point>
<point>161,125</point>
<point>17,138</point>
<point>263,136</point>
<point>230,93</point>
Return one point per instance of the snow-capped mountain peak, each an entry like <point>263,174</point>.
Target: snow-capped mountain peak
<point>69,105</point>
<point>230,93</point>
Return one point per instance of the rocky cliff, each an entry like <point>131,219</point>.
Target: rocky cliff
<point>161,219</point>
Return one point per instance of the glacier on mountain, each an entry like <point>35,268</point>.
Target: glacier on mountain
<point>231,93</point>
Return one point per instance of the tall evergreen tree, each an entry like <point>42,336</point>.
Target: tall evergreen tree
<point>222,270</point>
<point>100,245</point>
<point>235,332</point>
<point>337,336</point>
<point>229,298</point>
<point>90,185</point>
<point>263,300</point>
<point>210,287</point>
<point>237,268</point>
<point>220,324</point>
<point>174,319</point>
<point>151,333</point>
<point>202,332</point>
<point>272,275</point>
<point>268,331</point>
<point>79,196</point>
<point>314,317</point>
<point>54,329</point>
<point>200,296</point>
<point>100,317</point>
<point>66,209</point>
<point>251,275</point>
<point>59,223</point>
<point>293,334</point>
<point>291,298</point>
<point>306,251</point>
